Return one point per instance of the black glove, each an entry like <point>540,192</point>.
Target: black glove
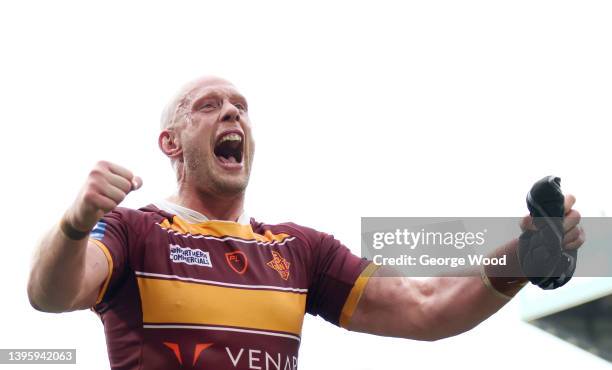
<point>541,254</point>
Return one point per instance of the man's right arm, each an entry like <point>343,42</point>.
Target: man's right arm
<point>68,271</point>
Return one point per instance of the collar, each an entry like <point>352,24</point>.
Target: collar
<point>191,216</point>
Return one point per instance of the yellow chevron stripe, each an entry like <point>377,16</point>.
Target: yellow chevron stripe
<point>171,301</point>
<point>220,229</point>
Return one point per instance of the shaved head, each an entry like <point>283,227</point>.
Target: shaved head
<point>177,106</point>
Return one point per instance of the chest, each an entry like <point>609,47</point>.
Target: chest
<point>222,280</point>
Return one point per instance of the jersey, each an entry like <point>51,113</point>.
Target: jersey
<point>216,294</point>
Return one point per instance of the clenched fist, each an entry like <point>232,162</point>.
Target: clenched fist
<point>106,186</point>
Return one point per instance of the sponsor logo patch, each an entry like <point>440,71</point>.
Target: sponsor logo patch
<point>189,256</point>
<point>259,359</point>
<point>237,261</point>
<point>176,349</point>
<point>280,264</point>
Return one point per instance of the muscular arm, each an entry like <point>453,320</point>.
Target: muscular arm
<point>66,274</point>
<point>446,306</point>
<point>429,309</point>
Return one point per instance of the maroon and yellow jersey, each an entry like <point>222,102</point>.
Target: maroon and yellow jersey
<point>215,294</point>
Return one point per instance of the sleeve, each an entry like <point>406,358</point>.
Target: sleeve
<point>337,281</point>
<point>111,235</point>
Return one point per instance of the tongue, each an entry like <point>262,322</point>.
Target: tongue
<point>231,159</point>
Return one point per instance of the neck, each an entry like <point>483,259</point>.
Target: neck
<point>212,206</point>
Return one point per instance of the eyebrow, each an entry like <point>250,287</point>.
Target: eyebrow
<point>215,95</point>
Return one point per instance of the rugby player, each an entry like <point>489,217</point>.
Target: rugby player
<point>191,282</point>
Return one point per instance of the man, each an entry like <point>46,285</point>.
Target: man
<point>191,282</point>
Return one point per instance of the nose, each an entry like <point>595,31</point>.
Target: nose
<point>229,112</point>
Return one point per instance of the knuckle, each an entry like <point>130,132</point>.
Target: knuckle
<point>120,197</point>
<point>125,186</point>
<point>90,198</point>
<point>102,164</point>
<point>94,187</point>
<point>95,172</point>
<point>128,174</point>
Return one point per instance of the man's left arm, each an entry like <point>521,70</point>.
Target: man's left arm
<point>441,307</point>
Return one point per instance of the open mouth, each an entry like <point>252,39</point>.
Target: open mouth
<point>229,148</point>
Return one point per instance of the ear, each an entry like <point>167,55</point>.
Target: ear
<point>169,143</point>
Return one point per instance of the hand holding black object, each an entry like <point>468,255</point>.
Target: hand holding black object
<point>541,254</point>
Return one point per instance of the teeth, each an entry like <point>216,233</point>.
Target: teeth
<point>230,137</point>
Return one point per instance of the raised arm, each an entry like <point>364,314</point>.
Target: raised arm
<point>68,271</point>
<point>441,307</point>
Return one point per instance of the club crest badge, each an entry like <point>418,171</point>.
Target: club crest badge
<point>280,264</point>
<point>237,261</point>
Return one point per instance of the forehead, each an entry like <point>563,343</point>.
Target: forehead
<point>215,87</point>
